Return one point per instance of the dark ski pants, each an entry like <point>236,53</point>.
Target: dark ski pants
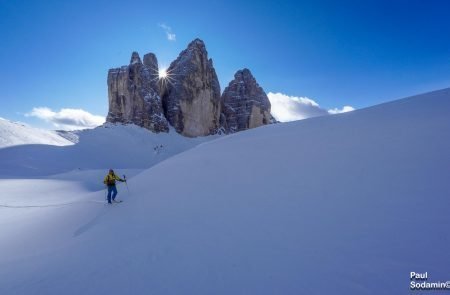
<point>112,189</point>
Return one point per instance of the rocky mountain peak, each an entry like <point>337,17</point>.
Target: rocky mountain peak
<point>195,55</point>
<point>151,61</point>
<point>189,98</point>
<point>245,104</point>
<point>134,97</point>
<point>197,44</point>
<point>245,76</point>
<point>192,100</point>
<point>135,58</point>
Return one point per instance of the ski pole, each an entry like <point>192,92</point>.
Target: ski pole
<point>126,183</point>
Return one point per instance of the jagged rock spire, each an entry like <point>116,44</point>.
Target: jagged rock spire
<point>188,98</point>
<point>133,96</point>
<point>245,104</point>
<point>151,61</point>
<point>135,58</point>
<point>191,99</point>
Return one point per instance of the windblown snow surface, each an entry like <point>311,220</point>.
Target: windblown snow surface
<point>13,133</point>
<point>343,204</point>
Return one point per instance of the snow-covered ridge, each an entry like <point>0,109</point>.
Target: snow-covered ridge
<point>14,133</point>
<point>107,146</point>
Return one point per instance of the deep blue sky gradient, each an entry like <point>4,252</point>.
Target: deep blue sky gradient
<point>360,53</point>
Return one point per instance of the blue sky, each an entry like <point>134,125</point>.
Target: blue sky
<point>56,54</point>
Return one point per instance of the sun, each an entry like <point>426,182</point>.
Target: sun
<point>162,73</point>
<point>164,76</point>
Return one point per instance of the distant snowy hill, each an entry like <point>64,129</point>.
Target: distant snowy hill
<point>13,133</point>
<point>107,146</point>
<point>343,204</point>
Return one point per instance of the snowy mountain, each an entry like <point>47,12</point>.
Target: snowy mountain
<point>343,204</point>
<point>13,133</point>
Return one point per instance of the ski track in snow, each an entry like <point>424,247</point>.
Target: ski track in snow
<point>51,205</point>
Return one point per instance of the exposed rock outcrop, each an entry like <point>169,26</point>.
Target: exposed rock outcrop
<point>245,104</point>
<point>191,98</point>
<point>151,63</point>
<point>188,97</point>
<point>133,94</point>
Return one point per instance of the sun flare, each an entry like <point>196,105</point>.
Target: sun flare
<point>162,73</point>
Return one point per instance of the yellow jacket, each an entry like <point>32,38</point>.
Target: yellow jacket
<point>110,179</point>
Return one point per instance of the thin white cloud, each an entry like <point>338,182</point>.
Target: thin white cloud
<point>67,119</point>
<point>287,108</point>
<point>168,30</point>
<point>343,110</point>
<point>171,37</point>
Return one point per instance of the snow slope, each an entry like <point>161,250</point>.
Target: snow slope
<point>343,204</point>
<point>13,133</point>
<point>108,146</point>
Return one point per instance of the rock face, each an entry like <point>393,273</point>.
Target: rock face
<point>188,98</point>
<point>245,104</point>
<point>151,63</point>
<point>191,98</point>
<point>133,94</point>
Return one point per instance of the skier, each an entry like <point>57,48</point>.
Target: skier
<point>110,181</point>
